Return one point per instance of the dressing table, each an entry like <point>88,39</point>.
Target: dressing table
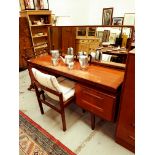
<point>97,88</point>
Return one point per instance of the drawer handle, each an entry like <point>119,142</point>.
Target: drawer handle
<point>131,137</point>
<point>101,98</point>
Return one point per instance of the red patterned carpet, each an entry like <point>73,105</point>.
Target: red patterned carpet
<point>34,140</point>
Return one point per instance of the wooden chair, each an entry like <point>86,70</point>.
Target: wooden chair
<point>56,93</point>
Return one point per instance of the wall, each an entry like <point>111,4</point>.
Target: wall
<point>89,12</point>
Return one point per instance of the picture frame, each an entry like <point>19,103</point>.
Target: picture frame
<point>129,19</point>
<point>117,20</point>
<point>112,38</point>
<point>29,5</point>
<point>107,16</point>
<point>22,5</point>
<point>41,4</point>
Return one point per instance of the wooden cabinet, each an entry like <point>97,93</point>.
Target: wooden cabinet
<point>68,38</point>
<point>99,103</point>
<point>86,39</point>
<point>38,25</point>
<point>39,20</point>
<point>125,132</point>
<point>24,40</point>
<point>87,44</point>
<point>55,36</point>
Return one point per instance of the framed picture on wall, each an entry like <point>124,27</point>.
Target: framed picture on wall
<point>22,5</point>
<point>29,4</point>
<point>41,4</point>
<point>112,38</point>
<point>129,19</point>
<point>107,16</point>
<point>117,20</point>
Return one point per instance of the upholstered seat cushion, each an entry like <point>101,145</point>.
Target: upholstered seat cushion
<point>60,84</point>
<point>67,88</point>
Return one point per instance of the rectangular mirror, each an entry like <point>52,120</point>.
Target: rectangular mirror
<point>109,44</point>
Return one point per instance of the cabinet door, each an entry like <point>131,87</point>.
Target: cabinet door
<point>82,47</point>
<point>68,38</point>
<point>55,37</point>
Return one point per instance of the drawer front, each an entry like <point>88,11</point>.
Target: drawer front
<point>82,41</point>
<point>82,47</point>
<point>96,102</point>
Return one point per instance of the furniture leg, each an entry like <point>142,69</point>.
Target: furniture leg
<point>31,86</point>
<point>41,107</point>
<point>83,110</point>
<point>63,120</point>
<point>40,104</point>
<point>92,121</point>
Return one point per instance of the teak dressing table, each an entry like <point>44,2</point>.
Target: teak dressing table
<point>97,89</point>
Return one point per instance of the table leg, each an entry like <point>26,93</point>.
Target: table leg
<point>92,121</point>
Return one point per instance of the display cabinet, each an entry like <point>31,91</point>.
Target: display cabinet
<point>86,39</point>
<point>39,22</point>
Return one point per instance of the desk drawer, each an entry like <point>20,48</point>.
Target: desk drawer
<point>96,102</point>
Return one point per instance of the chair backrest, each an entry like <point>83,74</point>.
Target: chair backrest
<point>48,81</point>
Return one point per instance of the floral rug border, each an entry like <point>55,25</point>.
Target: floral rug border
<point>56,144</point>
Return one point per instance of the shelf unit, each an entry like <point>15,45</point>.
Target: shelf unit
<point>39,23</point>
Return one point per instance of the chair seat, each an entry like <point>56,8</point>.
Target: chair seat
<point>67,89</point>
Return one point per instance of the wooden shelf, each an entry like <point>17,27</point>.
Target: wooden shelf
<point>41,46</point>
<point>39,36</point>
<point>114,64</point>
<point>40,25</point>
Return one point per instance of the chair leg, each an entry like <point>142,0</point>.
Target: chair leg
<point>83,110</point>
<point>63,120</point>
<point>31,87</point>
<point>41,107</point>
<point>92,121</point>
<point>39,102</point>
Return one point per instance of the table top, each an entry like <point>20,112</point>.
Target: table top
<point>97,76</point>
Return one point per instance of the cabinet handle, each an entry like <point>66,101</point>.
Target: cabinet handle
<point>131,137</point>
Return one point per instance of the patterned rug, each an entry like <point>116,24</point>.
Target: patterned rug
<point>34,140</point>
